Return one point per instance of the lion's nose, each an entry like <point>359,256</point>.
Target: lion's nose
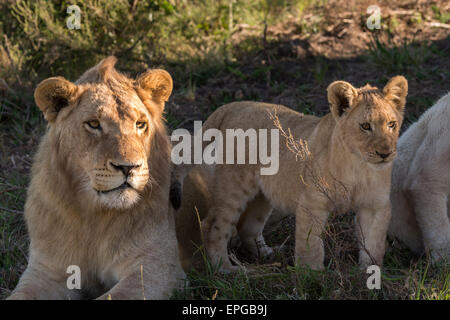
<point>384,155</point>
<point>125,168</point>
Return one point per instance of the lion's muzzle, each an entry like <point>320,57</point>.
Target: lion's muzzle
<point>120,175</point>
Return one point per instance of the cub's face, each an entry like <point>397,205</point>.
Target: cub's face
<point>104,131</point>
<point>372,129</point>
<point>368,119</point>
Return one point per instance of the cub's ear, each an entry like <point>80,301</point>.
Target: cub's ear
<point>155,85</point>
<point>396,91</point>
<point>341,95</point>
<point>53,94</point>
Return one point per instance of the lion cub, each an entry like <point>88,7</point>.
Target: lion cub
<point>421,183</point>
<point>350,153</point>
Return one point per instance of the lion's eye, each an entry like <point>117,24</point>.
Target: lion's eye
<point>141,125</point>
<point>94,124</point>
<point>392,124</point>
<point>366,126</point>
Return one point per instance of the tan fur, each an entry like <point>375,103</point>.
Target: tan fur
<point>196,202</point>
<point>345,160</point>
<point>78,212</point>
<point>421,183</point>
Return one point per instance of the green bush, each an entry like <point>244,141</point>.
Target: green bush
<point>35,41</point>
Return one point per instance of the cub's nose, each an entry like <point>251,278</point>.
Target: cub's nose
<point>125,168</point>
<point>384,155</point>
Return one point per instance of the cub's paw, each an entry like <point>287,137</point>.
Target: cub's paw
<point>266,253</point>
<point>257,250</point>
<point>230,269</point>
<point>441,255</point>
<point>312,263</point>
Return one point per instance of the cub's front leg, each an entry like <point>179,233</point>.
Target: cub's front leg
<point>311,217</point>
<point>372,223</point>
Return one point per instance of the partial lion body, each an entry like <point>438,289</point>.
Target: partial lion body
<point>421,183</point>
<point>196,202</point>
<point>347,181</point>
<point>123,241</point>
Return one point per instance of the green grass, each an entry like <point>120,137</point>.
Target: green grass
<point>403,277</point>
<point>406,57</point>
<point>13,239</point>
<point>189,36</point>
<point>443,17</point>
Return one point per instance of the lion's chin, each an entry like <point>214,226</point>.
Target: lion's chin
<point>380,165</point>
<point>119,199</point>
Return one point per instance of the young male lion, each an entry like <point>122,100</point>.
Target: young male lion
<point>347,166</point>
<point>421,183</point>
<point>98,197</point>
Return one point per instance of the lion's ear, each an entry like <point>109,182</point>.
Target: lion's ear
<point>53,94</point>
<point>396,91</point>
<point>156,85</point>
<point>341,95</point>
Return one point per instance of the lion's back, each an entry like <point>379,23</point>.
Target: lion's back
<point>424,143</point>
<point>260,115</point>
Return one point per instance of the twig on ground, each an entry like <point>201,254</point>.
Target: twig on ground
<point>438,25</point>
<point>11,210</point>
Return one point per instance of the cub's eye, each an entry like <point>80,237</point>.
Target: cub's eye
<point>392,124</point>
<point>141,125</point>
<point>94,124</point>
<point>366,126</point>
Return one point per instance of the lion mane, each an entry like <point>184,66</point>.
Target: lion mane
<point>98,197</point>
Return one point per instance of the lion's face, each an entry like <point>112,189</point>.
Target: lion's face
<point>105,131</point>
<point>369,120</point>
<point>112,143</point>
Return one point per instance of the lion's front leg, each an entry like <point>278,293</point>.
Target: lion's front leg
<point>310,222</point>
<point>147,280</point>
<point>131,287</point>
<point>40,283</point>
<point>371,227</point>
<point>432,216</point>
